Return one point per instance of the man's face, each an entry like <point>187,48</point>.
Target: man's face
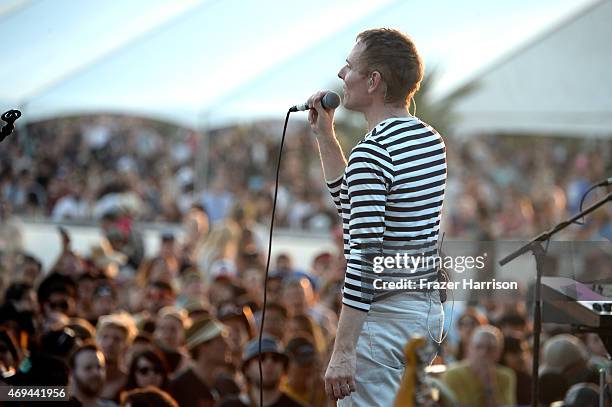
<point>169,332</point>
<point>220,291</point>
<point>283,263</point>
<point>60,302</point>
<point>89,372</point>
<point>103,305</point>
<point>215,352</point>
<point>30,272</point>
<point>238,335</point>
<point>113,342</point>
<point>355,87</point>
<point>483,348</point>
<point>272,369</point>
<point>156,298</point>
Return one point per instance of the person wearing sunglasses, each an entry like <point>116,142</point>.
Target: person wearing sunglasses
<point>57,293</point>
<point>274,363</point>
<point>148,368</point>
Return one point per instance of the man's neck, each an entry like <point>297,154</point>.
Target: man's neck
<point>269,396</point>
<point>378,113</point>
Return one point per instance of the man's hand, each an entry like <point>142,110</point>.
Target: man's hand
<point>322,124</point>
<point>321,120</point>
<point>340,375</point>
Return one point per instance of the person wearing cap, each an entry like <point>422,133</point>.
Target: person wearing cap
<point>114,336</point>
<point>170,336</point>
<point>303,381</point>
<point>240,324</point>
<point>223,287</point>
<point>568,355</point>
<point>206,342</point>
<point>104,300</point>
<point>274,363</point>
<point>192,287</point>
<point>582,395</point>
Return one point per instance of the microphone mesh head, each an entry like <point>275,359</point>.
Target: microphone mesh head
<point>331,100</point>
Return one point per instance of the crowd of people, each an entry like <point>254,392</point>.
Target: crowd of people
<point>184,321</point>
<point>182,326</point>
<point>78,168</point>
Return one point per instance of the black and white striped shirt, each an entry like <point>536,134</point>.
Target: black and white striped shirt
<point>390,199</point>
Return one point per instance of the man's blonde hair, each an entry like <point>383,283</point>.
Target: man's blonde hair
<point>394,55</point>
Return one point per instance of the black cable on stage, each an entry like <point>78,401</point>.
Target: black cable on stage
<point>263,311</point>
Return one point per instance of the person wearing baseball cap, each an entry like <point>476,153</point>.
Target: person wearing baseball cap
<point>206,342</point>
<point>274,365</point>
<point>304,381</point>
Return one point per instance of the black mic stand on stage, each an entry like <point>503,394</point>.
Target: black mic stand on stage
<point>535,247</point>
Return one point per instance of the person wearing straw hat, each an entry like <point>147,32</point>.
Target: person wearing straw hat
<point>114,335</point>
<point>206,342</point>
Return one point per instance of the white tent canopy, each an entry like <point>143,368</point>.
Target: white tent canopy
<point>173,67</point>
<point>558,84</point>
<point>203,63</point>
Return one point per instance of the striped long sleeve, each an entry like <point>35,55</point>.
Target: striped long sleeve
<point>390,199</point>
<point>369,176</point>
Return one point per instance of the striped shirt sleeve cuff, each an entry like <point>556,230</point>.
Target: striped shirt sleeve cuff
<point>360,306</point>
<point>335,184</point>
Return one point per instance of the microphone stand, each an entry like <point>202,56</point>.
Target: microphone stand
<point>535,247</point>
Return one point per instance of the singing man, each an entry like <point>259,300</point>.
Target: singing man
<point>389,196</point>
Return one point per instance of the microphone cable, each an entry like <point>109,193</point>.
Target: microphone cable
<point>602,183</point>
<point>263,311</point>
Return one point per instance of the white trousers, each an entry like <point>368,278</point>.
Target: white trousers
<point>380,349</point>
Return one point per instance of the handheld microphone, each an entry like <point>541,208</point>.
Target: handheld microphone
<point>9,117</point>
<point>331,100</point>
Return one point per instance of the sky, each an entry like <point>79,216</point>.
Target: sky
<point>189,58</point>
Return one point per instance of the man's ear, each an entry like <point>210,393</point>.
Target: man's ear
<point>375,80</point>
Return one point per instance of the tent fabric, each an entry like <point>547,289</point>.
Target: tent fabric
<point>190,62</point>
<point>558,84</point>
<point>173,63</point>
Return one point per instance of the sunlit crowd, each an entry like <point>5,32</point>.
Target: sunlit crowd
<point>180,327</point>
